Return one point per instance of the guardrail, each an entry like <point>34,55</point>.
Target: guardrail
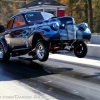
<point>95,39</point>
<point>93,50</point>
<point>94,47</point>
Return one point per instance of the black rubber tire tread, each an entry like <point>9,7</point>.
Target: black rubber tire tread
<point>84,52</point>
<point>6,56</point>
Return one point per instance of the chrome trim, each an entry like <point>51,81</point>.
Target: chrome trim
<point>40,51</point>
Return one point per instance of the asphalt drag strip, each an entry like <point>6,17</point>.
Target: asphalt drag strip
<point>57,80</point>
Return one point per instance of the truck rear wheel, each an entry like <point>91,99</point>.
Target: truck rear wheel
<point>42,51</point>
<point>3,55</point>
<point>80,49</point>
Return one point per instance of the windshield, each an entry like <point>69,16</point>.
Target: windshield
<point>38,16</point>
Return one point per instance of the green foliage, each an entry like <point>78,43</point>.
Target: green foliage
<point>79,9</point>
<point>85,11</point>
<point>10,7</point>
<point>96,15</point>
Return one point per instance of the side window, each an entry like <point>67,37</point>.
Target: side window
<point>10,24</point>
<point>19,21</point>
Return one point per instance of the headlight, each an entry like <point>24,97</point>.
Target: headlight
<point>56,25</point>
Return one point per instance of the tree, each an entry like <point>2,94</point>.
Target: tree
<point>90,14</point>
<point>81,10</point>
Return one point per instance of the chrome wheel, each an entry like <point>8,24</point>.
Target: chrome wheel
<point>1,51</point>
<point>40,51</point>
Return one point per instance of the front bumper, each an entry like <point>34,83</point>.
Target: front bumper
<point>87,37</point>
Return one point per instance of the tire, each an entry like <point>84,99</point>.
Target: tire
<point>42,51</point>
<point>80,49</point>
<point>4,57</point>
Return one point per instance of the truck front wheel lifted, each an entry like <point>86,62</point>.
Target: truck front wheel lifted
<point>42,51</point>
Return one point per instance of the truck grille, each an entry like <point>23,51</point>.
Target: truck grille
<point>68,32</point>
<point>71,31</point>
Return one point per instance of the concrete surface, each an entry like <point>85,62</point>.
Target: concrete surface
<point>93,50</point>
<point>94,47</point>
<point>92,61</point>
<point>95,39</point>
<point>51,80</point>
